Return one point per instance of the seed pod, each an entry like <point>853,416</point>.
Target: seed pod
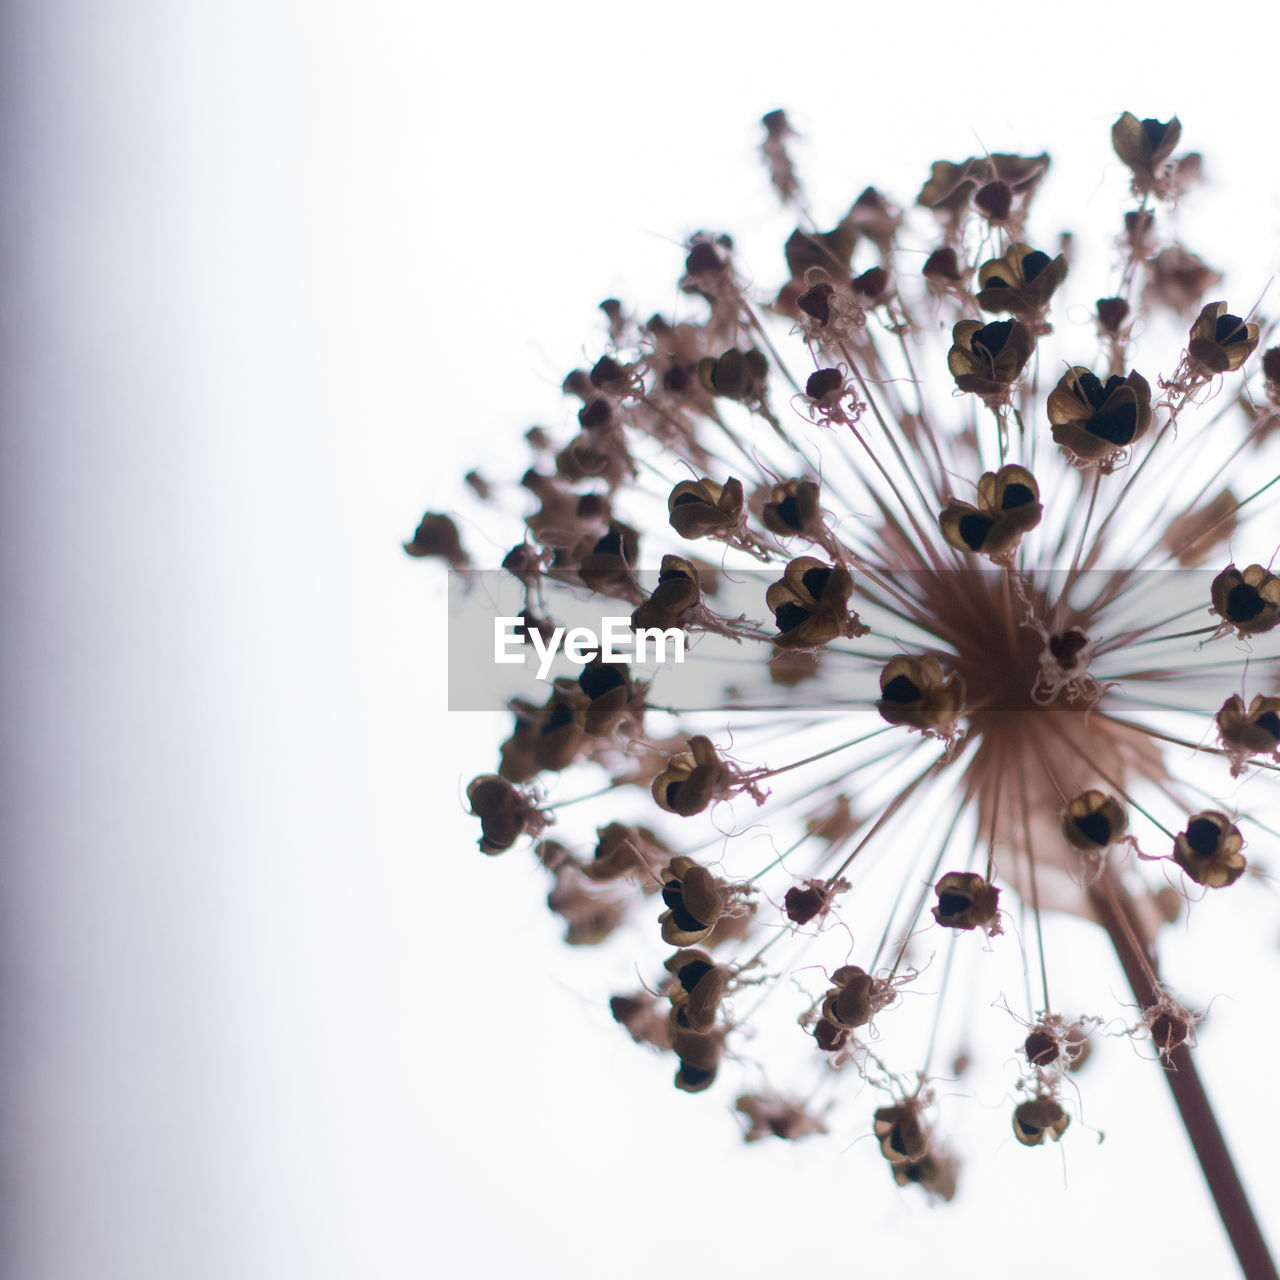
<point>698,508</point>
<point>810,604</point>
<point>901,1131</point>
<point>1220,342</point>
<point>988,359</point>
<point>793,508</point>
<point>692,779</point>
<point>825,387</point>
<point>699,1059</point>
<point>695,901</point>
<point>1209,849</point>
<point>1008,506</point>
<point>966,901</point>
<point>437,535</point>
<point>1093,420</point>
<point>698,988</point>
<point>1145,146</point>
<point>779,1117</point>
<point>1093,821</point>
<point>1249,601</point>
<point>611,695</point>
<point>1255,732</point>
<point>850,1002</point>
<point>623,851</point>
<point>1021,282</point>
<point>916,693</point>
<point>828,251</point>
<point>736,375</point>
<point>505,813</point>
<point>606,568</point>
<point>1037,1119</point>
<point>677,594</point>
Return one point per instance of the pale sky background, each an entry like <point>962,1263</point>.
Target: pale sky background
<point>275,275</point>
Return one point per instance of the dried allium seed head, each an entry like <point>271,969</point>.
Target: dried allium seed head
<point>1145,146</point>
<point>967,901</point>
<point>1220,342</point>
<point>1008,506</point>
<point>1253,732</point>
<point>1096,421</point>
<point>1056,671</point>
<point>988,359</point>
<point>1094,821</point>
<point>1039,1118</point>
<point>1247,601</point>
<point>1208,850</point>
<point>772,1116</point>
<point>917,693</point>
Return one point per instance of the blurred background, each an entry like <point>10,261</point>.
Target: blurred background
<point>275,275</point>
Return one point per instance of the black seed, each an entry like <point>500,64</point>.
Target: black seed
<point>900,690</point>
<point>1031,1130</point>
<point>822,383</point>
<point>1016,495</point>
<point>1066,646</point>
<point>677,379</point>
<point>941,264</point>
<point>1155,132</point>
<point>1092,388</point>
<point>996,282</point>
<point>673,792</point>
<point>683,918</point>
<point>995,200</point>
<point>914,1172</point>
<point>1116,426</point>
<point>561,715</point>
<point>693,973</point>
<point>688,496</point>
<point>1228,329</point>
<point>1244,603</point>
<point>599,678</point>
<point>683,1019</point>
<point>672,894</point>
<point>1269,721</point>
<point>1112,313</point>
<point>815,581</point>
<point>789,513</point>
<point>1041,1049</point>
<point>992,337</point>
<point>610,545</point>
<point>668,575</point>
<point>896,1141</point>
<point>1033,264</point>
<point>695,1075</point>
<point>1202,836</point>
<point>1112,383</point>
<point>789,616</point>
<point>1095,827</point>
<point>815,302</point>
<point>702,258</point>
<point>953,904</point>
<point>974,529</point>
<point>596,414</point>
<point>606,369</point>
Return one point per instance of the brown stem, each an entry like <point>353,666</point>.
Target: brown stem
<point>1117,913</point>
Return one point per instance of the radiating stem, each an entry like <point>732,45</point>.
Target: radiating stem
<point>1116,911</point>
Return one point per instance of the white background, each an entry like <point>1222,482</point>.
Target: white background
<point>275,275</point>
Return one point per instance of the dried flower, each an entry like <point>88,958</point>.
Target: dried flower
<point>1020,724</point>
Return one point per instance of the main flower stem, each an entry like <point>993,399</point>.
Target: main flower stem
<point>1116,911</point>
